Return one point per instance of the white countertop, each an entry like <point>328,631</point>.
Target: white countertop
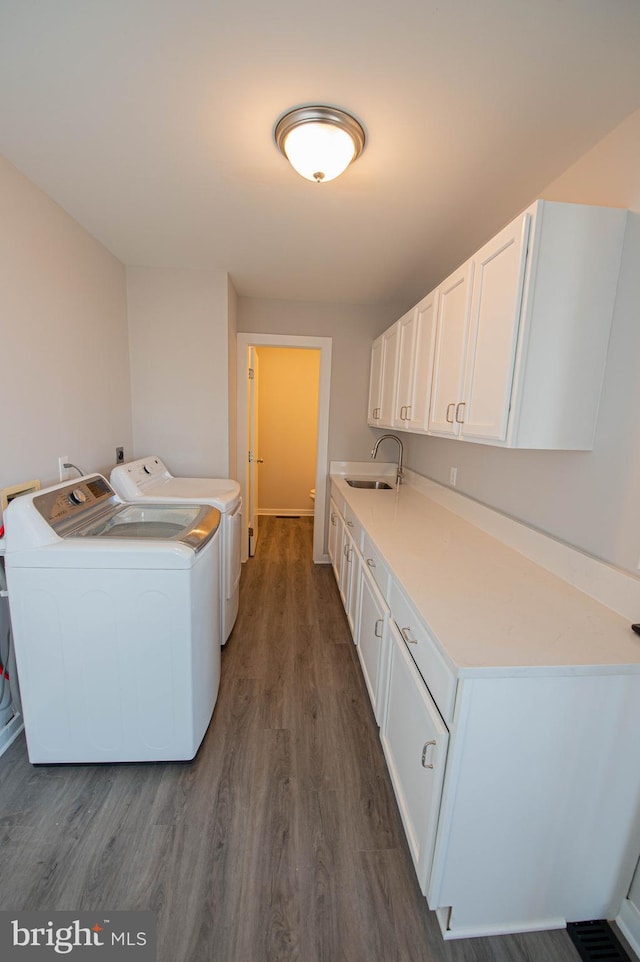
<point>486,605</point>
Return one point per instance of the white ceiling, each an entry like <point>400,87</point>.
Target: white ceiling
<point>151,122</point>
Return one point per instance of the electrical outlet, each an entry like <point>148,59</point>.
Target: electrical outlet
<point>62,471</point>
<point>453,477</point>
<point>119,455</point>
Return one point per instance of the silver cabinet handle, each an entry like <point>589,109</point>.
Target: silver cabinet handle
<point>403,412</point>
<point>371,562</point>
<point>448,419</point>
<point>377,633</point>
<point>376,413</point>
<point>425,749</point>
<point>349,524</point>
<point>406,634</point>
<point>462,404</point>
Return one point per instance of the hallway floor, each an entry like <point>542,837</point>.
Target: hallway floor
<point>281,840</point>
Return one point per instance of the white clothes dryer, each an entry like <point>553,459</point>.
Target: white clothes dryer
<point>148,479</point>
<point>116,620</point>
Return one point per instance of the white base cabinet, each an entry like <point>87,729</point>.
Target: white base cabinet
<point>517,786</point>
<point>372,641</point>
<point>414,738</point>
<point>539,808</point>
<point>336,528</point>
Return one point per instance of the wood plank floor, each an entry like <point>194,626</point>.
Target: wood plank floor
<point>281,840</point>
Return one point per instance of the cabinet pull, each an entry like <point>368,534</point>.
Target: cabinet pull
<point>448,419</point>
<point>425,749</point>
<point>406,634</point>
<point>333,517</point>
<point>371,562</point>
<point>377,633</point>
<point>349,555</point>
<point>376,413</point>
<point>460,420</point>
<point>349,524</point>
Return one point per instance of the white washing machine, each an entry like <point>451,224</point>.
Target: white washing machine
<point>115,611</point>
<point>148,479</point>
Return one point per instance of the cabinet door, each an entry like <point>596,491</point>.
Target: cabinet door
<point>417,414</point>
<point>371,640</point>
<point>375,381</point>
<point>336,536</point>
<point>451,340</point>
<point>414,739</point>
<point>498,281</point>
<point>407,327</point>
<point>391,339</point>
<point>353,563</point>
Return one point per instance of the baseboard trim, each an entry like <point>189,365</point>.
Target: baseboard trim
<point>481,931</point>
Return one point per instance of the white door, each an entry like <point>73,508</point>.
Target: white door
<point>493,332</point>
<point>254,460</point>
<point>451,340</point>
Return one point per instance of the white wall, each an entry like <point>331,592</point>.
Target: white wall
<point>63,337</point>
<point>180,358</point>
<point>352,329</point>
<point>589,499</point>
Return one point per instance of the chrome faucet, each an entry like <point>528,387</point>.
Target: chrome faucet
<point>400,453</point>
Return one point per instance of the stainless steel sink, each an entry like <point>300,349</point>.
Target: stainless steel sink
<point>368,483</point>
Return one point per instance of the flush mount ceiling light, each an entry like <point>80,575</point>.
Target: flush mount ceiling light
<point>319,142</point>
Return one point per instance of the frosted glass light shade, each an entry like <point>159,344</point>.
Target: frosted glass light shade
<point>319,142</point>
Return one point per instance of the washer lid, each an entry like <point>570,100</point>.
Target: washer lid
<point>190,524</point>
<point>149,479</point>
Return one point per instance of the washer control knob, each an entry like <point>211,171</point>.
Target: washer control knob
<point>78,496</point>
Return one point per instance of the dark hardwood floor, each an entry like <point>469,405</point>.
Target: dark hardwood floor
<point>281,840</point>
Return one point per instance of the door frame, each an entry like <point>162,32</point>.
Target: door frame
<point>322,344</point>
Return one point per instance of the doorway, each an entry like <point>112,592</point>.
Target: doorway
<point>249,456</point>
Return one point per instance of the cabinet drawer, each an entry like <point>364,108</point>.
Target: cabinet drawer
<point>438,677</point>
<point>353,526</point>
<point>376,565</point>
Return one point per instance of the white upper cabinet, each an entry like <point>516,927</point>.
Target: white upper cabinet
<point>415,365</point>
<point>451,338</point>
<point>522,333</point>
<point>498,278</point>
<point>375,381</point>
<point>384,377</point>
<point>391,353</point>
